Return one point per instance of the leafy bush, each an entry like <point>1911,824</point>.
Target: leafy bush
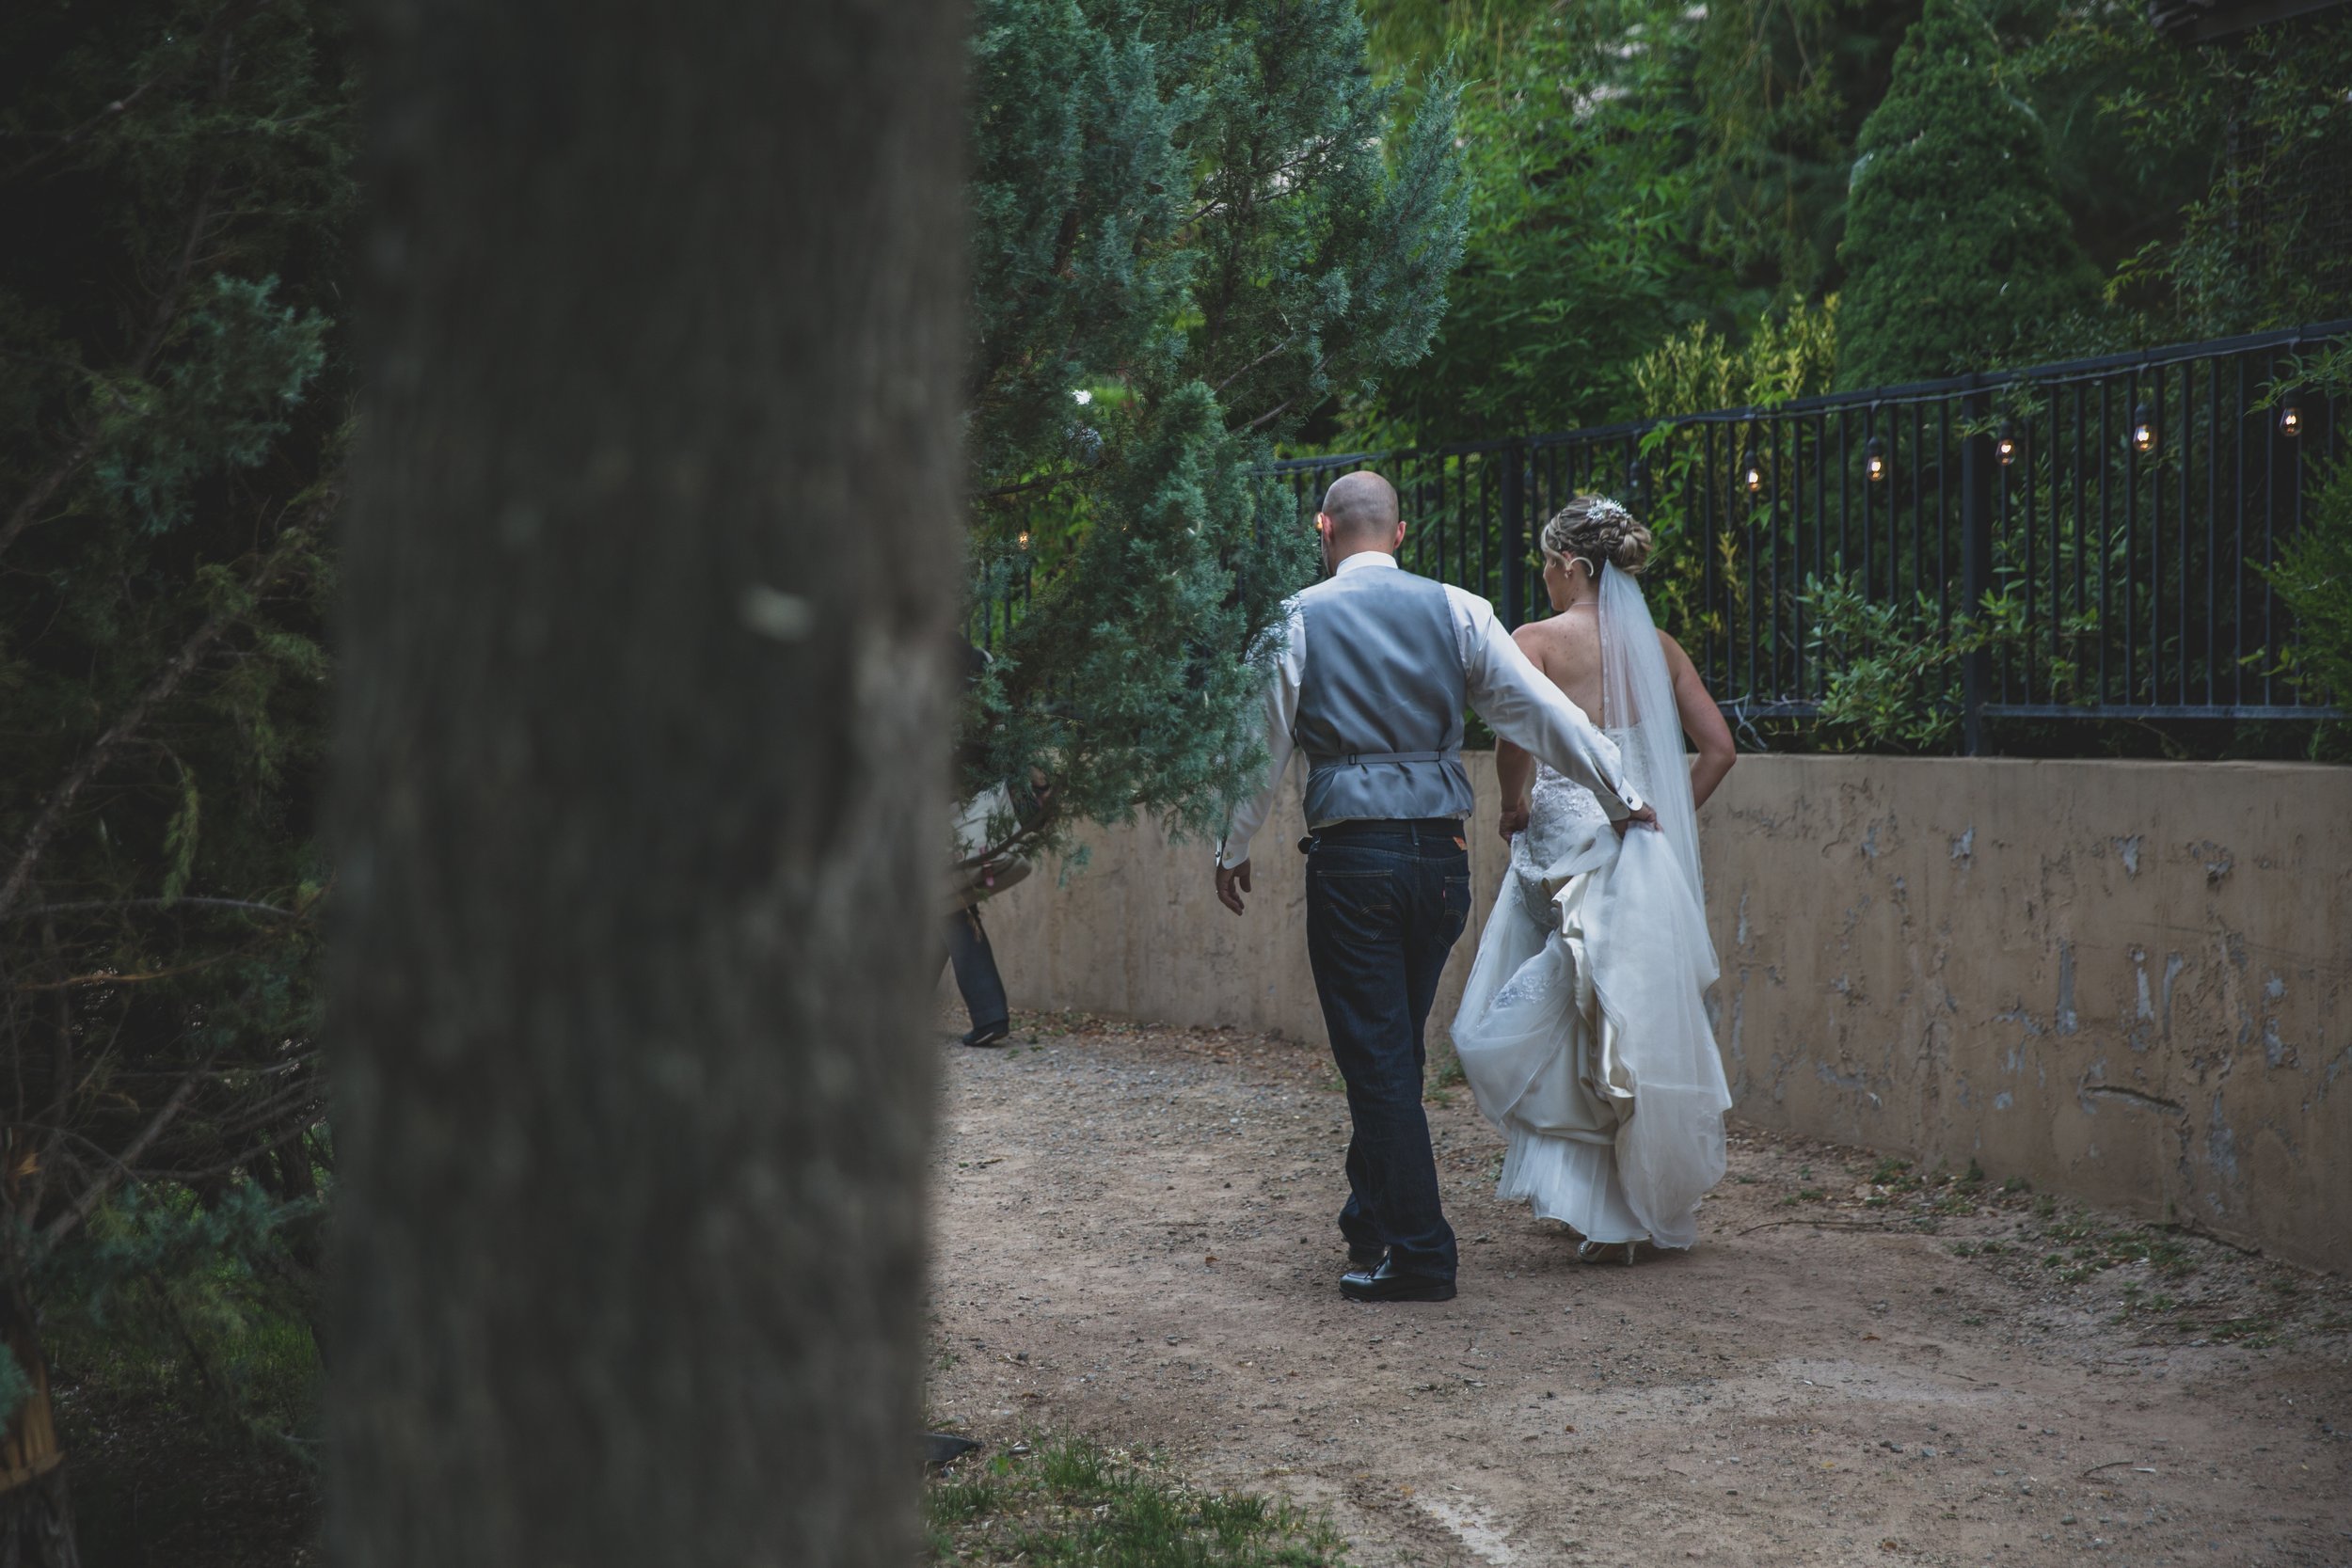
<point>200,1306</point>
<point>1895,669</point>
<point>1956,247</point>
<point>1791,353</point>
<point>2314,577</point>
<point>1575,261</point>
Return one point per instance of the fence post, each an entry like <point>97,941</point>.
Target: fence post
<point>1976,460</point>
<point>1514,535</point>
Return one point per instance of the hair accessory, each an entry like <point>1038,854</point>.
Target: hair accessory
<point>1601,509</point>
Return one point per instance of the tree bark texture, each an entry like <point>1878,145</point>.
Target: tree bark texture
<point>646,590</point>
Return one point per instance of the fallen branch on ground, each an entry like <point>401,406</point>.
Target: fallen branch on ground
<point>1825,1224</point>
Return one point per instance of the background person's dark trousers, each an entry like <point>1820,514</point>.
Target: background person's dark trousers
<point>977,980</point>
<point>1385,904</point>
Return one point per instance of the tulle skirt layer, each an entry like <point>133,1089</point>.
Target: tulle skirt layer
<point>1572,1182</point>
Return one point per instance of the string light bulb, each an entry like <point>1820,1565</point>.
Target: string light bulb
<point>2006,444</point>
<point>1874,459</point>
<point>1752,471</point>
<point>1023,540</point>
<point>2290,416</point>
<point>2143,430</point>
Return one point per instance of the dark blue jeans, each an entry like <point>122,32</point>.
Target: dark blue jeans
<point>1385,904</point>
<point>975,964</point>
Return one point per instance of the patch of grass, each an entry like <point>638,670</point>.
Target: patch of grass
<point>2253,1333</point>
<point>1069,1503</point>
<point>1894,1173</point>
<point>2091,1249</point>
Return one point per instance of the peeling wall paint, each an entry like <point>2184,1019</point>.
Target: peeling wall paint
<point>2148,965</point>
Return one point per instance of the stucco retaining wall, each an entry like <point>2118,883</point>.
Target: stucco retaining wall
<point>2127,982</point>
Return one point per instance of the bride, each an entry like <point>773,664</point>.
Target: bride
<point>1583,1029</point>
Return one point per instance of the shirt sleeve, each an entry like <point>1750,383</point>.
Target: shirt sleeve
<point>1521,705</point>
<point>1281,711</point>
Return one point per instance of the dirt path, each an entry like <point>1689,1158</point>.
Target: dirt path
<point>1135,1244</point>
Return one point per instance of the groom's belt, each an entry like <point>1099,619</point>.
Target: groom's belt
<point>1356,759</point>
<point>1389,827</point>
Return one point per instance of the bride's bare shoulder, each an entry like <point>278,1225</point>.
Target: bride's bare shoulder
<point>1676,661</point>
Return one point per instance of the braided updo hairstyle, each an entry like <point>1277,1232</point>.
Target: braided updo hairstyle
<point>1595,529</point>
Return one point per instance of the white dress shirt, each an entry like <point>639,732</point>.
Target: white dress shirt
<point>1516,700</point>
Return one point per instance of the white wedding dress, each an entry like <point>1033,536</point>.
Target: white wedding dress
<point>1583,1029</point>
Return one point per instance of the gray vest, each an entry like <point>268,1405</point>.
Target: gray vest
<point>1380,708</point>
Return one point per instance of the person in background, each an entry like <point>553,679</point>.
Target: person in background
<point>969,951</point>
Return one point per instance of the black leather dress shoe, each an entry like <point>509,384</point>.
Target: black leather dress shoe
<point>1386,1284</point>
<point>988,1034</point>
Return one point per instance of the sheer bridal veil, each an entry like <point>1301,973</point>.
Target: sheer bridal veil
<point>1652,959</point>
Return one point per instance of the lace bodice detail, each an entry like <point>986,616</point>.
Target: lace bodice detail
<point>1560,814</point>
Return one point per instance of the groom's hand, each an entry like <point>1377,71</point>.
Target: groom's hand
<point>1232,883</point>
<point>1645,816</point>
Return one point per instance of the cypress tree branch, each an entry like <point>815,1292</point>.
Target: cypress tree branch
<point>93,431</point>
<point>86,1203</point>
<point>228,22</point>
<point>157,691</point>
<point>80,906</point>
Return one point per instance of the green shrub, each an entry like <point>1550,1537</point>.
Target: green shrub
<point>200,1307</point>
<point>2314,577</point>
<point>1957,247</point>
<point>1790,355</point>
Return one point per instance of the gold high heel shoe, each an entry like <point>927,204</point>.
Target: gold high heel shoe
<point>1605,1252</point>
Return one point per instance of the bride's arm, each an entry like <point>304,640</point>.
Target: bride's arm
<point>1514,771</point>
<point>1701,720</point>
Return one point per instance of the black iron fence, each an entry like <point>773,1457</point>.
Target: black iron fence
<point>2090,536</point>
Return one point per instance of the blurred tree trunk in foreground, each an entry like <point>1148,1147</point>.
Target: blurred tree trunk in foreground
<point>641,781</point>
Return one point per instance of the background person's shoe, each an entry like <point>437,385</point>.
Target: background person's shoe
<point>941,1449</point>
<point>1386,1284</point>
<point>988,1034</point>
